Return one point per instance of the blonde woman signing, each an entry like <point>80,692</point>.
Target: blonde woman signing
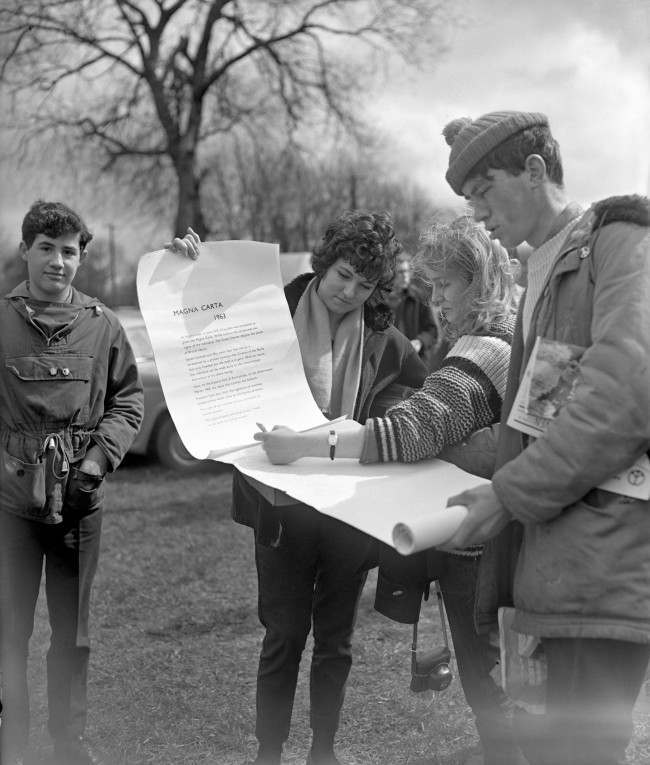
<point>473,289</point>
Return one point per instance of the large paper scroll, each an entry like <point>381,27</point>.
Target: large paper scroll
<point>403,505</point>
<point>228,357</point>
<point>224,344</point>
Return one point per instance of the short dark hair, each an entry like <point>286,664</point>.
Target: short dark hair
<point>366,240</point>
<point>53,219</point>
<point>510,155</point>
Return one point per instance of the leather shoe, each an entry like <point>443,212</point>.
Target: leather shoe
<point>75,751</point>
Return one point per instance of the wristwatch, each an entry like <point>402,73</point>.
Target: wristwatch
<point>332,440</point>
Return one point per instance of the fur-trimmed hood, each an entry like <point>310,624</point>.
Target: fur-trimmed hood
<point>631,208</point>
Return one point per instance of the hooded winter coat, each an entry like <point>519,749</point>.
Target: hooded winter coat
<point>576,563</point>
<point>59,393</point>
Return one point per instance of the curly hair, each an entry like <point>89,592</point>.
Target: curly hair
<point>367,241</point>
<point>53,219</point>
<point>510,155</point>
<point>465,247</point>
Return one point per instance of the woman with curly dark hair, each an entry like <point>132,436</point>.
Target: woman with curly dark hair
<point>312,568</point>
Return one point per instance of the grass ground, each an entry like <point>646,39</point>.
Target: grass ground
<point>176,639</point>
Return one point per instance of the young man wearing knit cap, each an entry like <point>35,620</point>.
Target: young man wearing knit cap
<point>572,557</point>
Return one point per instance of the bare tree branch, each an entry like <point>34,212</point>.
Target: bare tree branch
<point>161,79</point>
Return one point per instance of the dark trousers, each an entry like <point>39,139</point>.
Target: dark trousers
<point>592,686</point>
<point>70,551</point>
<point>475,658</point>
<point>314,570</point>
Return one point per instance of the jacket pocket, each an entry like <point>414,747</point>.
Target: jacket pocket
<point>585,561</point>
<point>84,494</point>
<point>53,387</point>
<point>22,486</point>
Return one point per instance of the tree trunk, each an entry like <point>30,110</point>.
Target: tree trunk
<point>189,211</point>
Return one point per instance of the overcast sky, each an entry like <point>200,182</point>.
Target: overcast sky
<point>582,62</point>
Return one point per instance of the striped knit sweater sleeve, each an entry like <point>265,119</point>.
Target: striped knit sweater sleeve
<point>463,395</point>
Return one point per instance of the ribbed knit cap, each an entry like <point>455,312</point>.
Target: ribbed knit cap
<point>471,140</point>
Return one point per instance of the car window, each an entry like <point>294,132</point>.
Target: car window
<point>139,340</point>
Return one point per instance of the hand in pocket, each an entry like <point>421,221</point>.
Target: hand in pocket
<point>84,494</point>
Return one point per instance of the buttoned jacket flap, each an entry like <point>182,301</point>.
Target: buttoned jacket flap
<point>51,367</point>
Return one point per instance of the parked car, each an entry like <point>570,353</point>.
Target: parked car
<point>158,435</point>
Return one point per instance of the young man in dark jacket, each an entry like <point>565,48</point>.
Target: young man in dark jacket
<point>580,580</point>
<point>71,403</point>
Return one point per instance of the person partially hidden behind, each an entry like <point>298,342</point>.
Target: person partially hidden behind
<point>414,317</point>
<point>579,578</point>
<point>71,403</point>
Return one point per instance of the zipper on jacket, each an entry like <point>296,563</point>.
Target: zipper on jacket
<point>58,334</point>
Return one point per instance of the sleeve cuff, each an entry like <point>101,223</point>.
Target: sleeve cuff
<point>369,451</point>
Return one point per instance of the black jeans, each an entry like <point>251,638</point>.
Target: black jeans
<point>313,571</point>
<point>591,689</point>
<point>70,551</point>
<point>475,658</point>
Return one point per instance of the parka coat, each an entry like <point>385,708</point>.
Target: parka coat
<point>59,394</point>
<point>576,563</point>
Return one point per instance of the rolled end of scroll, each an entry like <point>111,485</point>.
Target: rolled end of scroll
<point>427,531</point>
<point>403,540</point>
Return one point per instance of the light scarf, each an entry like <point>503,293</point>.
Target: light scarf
<point>332,364</point>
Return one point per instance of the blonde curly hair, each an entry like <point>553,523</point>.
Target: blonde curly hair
<point>465,247</point>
